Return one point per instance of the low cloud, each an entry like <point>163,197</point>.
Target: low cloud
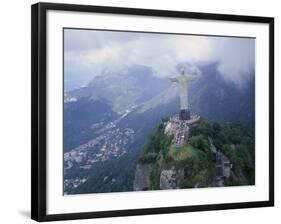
<point>99,50</point>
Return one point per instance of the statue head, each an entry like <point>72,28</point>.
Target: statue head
<point>182,71</point>
<point>187,69</point>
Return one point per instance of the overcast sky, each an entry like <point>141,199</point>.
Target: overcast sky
<point>90,51</point>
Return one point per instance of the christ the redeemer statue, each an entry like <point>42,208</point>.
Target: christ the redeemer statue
<point>182,81</point>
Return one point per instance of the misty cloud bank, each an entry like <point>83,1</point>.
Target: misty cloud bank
<point>94,51</point>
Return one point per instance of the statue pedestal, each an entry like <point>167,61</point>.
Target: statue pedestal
<point>184,115</point>
<point>179,129</point>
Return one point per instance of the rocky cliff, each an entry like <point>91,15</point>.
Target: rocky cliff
<point>183,154</point>
<point>142,176</point>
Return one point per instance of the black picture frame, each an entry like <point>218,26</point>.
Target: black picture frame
<point>39,122</point>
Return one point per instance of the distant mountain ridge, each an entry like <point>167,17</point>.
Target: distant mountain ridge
<point>137,86</point>
<point>125,89</point>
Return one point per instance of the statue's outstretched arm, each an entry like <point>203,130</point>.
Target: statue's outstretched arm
<point>193,77</point>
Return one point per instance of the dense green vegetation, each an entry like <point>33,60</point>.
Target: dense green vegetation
<point>158,141</point>
<point>235,141</point>
<point>155,178</point>
<point>183,153</point>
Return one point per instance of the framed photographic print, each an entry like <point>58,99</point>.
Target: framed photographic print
<point>140,111</point>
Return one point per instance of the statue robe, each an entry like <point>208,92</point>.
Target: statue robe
<point>182,81</point>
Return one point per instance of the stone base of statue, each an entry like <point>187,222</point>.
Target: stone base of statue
<point>184,114</point>
<point>179,129</point>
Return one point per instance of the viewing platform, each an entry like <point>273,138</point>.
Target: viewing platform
<point>180,128</point>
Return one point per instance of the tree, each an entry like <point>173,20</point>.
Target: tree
<point>199,142</point>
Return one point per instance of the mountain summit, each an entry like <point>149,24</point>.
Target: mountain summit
<point>208,155</point>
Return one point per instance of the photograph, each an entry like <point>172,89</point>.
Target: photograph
<point>152,111</point>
